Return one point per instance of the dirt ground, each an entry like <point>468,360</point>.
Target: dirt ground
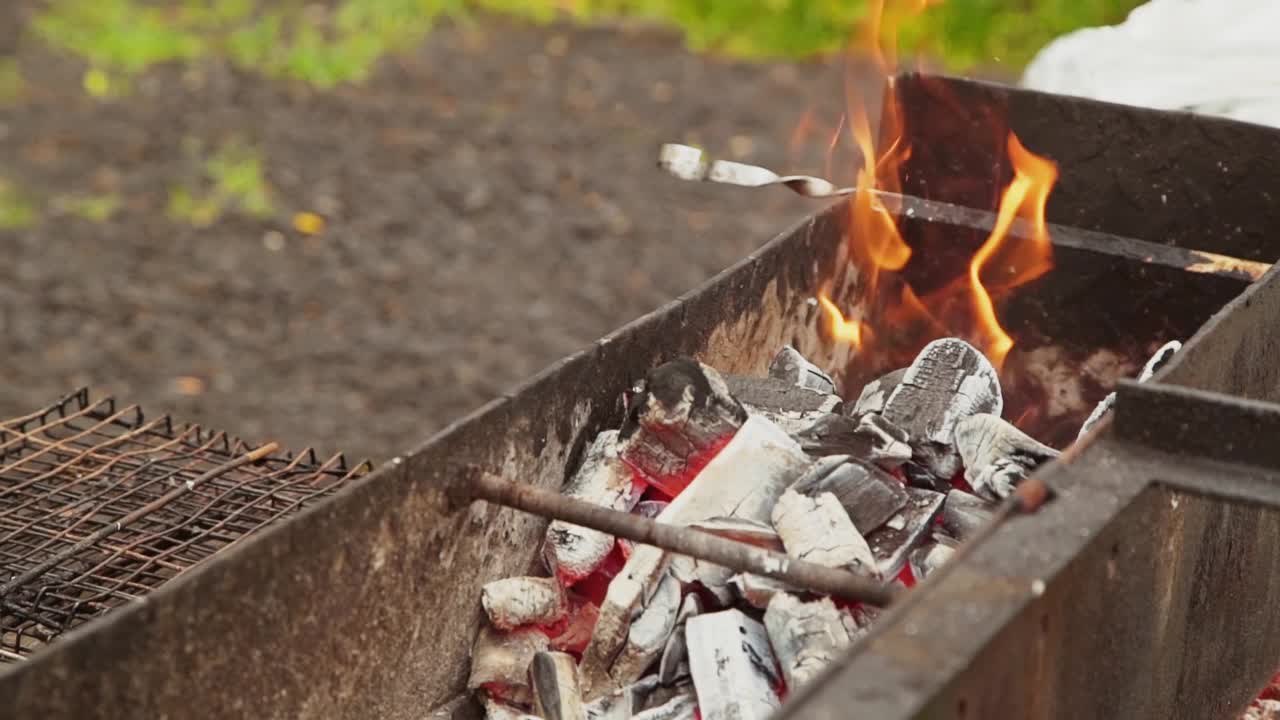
<point>492,204</point>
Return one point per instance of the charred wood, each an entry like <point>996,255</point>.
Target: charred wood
<point>516,601</point>
<point>1153,365</point>
<point>624,703</point>
<point>648,634</point>
<point>628,591</point>
<point>751,532</point>
<point>869,494</point>
<point>795,369</point>
<point>556,695</point>
<point>495,709</point>
<point>870,437</point>
<point>948,381</point>
<point>997,456</point>
<point>805,636</point>
<point>500,662</point>
<point>904,532</point>
<point>681,707</point>
<point>758,590</point>
<point>818,530</point>
<point>875,394</point>
<point>574,552</point>
<point>675,655</point>
<point>929,557</point>
<point>790,406</point>
<point>733,668</point>
<point>963,514</point>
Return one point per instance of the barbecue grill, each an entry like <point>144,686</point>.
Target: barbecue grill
<point>1144,589</point>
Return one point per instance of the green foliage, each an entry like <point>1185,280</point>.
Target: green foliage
<point>94,208</point>
<point>326,46</point>
<point>232,180</point>
<point>16,210</point>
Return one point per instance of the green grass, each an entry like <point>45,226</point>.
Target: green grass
<point>17,211</point>
<point>288,39</point>
<point>232,180</point>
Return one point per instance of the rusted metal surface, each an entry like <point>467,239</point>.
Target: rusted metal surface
<point>364,605</point>
<point>1165,177</point>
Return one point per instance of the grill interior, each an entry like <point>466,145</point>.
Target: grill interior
<point>74,470</point>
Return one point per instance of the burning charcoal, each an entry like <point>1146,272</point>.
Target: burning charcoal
<point>649,509</point>
<point>870,495</point>
<point>648,634</point>
<point>793,408</point>
<point>500,662</point>
<point>929,557</point>
<point>574,552</point>
<point>638,580</point>
<point>792,367</point>
<point>676,653</point>
<point>578,626</point>
<point>905,531</point>
<point>680,707</point>
<point>857,620</point>
<point>497,710</point>
<point>997,455</point>
<point>556,696</point>
<point>948,381</point>
<point>734,671</point>
<point>1262,710</point>
<point>870,438</point>
<point>681,416</point>
<point>1161,356</point>
<point>622,704</point>
<point>757,590</point>
<point>876,393</point>
<point>752,532</point>
<point>818,530</point>
<point>805,636</point>
<point>517,601</point>
<point>963,514</point>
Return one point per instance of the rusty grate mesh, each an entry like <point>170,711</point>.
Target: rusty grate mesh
<point>69,474</point>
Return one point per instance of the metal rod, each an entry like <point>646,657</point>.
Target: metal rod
<point>127,520</point>
<point>677,539</point>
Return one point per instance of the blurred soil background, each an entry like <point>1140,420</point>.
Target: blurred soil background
<point>345,224</point>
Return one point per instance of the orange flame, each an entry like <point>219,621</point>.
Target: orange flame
<point>1015,263</point>
<point>849,331</point>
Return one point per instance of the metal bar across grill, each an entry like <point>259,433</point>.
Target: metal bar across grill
<point>72,472</point>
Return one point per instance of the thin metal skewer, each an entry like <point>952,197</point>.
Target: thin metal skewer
<point>674,538</point>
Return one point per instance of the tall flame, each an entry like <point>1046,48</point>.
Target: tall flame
<point>1014,263</point>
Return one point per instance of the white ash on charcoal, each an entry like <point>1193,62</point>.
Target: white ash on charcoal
<point>757,590</point>
<point>929,557</point>
<point>681,707</point>
<point>574,552</point>
<point>805,636</point>
<point>904,532</point>
<point>876,393</point>
<point>512,602</point>
<point>500,662</point>
<point>858,621</point>
<point>963,513</point>
<point>733,668</point>
<point>684,409</point>
<point>1161,356</point>
<point>997,456</point>
<point>744,480</point>
<point>948,381</point>
<point>751,532</point>
<point>869,494</point>
<point>556,694</point>
<point>869,437</point>
<point>792,407</point>
<point>818,530</point>
<point>624,703</point>
<point>674,664</point>
<point>648,634</point>
<point>498,710</point>
<point>1262,710</point>
<point>792,367</point>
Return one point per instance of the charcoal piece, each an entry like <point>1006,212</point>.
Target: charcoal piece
<point>948,381</point>
<point>675,655</point>
<point>805,636</point>
<point>997,456</point>
<point>623,703</point>
<point>1262,710</point>
<point>893,541</point>
<point>818,530</point>
<point>795,369</point>
<point>791,407</point>
<point>495,709</point>
<point>876,393</point>
<point>869,437</point>
<point>502,659</point>
<point>1161,356</point>
<point>633,586</point>
<point>681,707</point>
<point>573,552</point>
<point>684,409</point>
<point>858,620</point>
<point>929,557</point>
<point>648,634</point>
<point>758,590</point>
<point>752,532</point>
<point>963,514</point>
<point>870,495</point>
<point>733,667</point>
<point>649,509</point>
<point>515,601</point>
<point>556,695</point>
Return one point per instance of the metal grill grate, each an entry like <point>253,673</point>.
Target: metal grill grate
<point>71,473</point>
